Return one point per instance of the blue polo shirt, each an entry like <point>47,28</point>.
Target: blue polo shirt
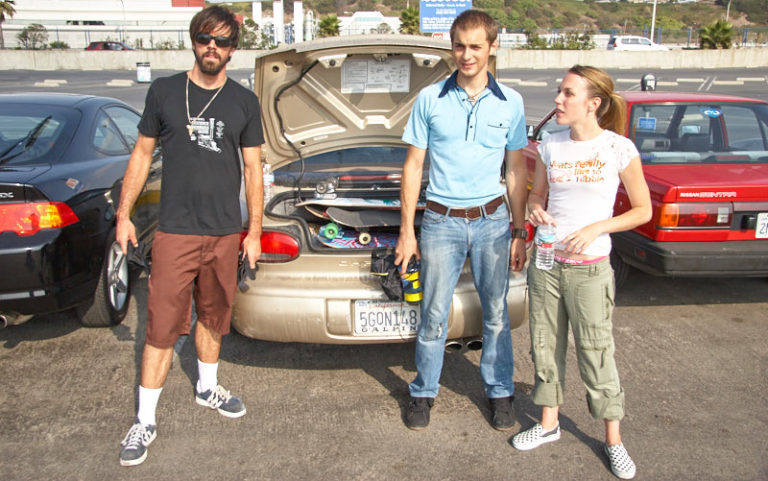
<point>466,142</point>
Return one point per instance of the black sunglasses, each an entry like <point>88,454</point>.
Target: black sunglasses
<point>205,39</point>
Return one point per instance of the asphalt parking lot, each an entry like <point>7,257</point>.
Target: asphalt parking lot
<point>692,355</point>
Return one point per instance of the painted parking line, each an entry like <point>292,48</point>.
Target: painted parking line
<point>690,80</point>
<point>522,83</point>
<point>120,83</point>
<point>50,83</point>
<point>751,79</point>
<point>727,82</point>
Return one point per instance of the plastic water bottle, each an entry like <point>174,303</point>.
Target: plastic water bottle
<point>545,246</point>
<point>269,182</point>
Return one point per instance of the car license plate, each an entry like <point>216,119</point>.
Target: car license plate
<point>386,318</point>
<point>761,230</point>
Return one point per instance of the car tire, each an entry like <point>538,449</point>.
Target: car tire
<point>113,292</point>
<point>620,269</point>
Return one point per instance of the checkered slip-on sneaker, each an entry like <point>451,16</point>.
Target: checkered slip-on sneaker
<point>621,464</point>
<point>534,437</point>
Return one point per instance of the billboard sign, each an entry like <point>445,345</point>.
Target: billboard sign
<point>438,15</point>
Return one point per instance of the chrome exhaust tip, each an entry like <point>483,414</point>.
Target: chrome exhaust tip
<point>474,344</point>
<point>454,345</point>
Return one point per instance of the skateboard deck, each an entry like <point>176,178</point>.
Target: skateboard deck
<point>317,212</point>
<point>358,202</point>
<point>350,240</point>
<point>361,219</point>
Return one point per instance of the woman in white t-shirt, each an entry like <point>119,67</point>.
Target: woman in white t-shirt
<point>576,178</point>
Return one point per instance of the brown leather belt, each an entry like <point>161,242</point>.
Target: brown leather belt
<point>471,213</point>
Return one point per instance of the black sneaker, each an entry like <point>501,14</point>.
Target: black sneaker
<point>502,413</point>
<point>417,412</point>
<point>221,400</point>
<point>133,449</point>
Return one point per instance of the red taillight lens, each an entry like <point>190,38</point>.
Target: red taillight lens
<point>30,218</point>
<point>276,246</point>
<point>695,215</point>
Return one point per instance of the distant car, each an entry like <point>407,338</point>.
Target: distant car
<point>705,158</point>
<point>633,43</point>
<point>334,111</point>
<point>108,45</point>
<point>62,159</point>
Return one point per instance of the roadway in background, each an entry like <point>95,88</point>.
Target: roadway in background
<point>538,87</point>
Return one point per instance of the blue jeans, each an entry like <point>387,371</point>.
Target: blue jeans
<point>445,244</point>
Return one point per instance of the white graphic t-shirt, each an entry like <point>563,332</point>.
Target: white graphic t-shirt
<point>583,179</point>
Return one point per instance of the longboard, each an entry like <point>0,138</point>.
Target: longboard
<point>361,219</point>
<point>359,203</point>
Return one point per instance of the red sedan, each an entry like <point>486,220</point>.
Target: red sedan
<point>705,158</point>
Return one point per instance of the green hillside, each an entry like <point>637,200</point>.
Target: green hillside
<point>568,14</point>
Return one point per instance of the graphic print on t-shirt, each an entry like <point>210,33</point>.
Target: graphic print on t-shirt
<point>587,171</point>
<point>205,132</point>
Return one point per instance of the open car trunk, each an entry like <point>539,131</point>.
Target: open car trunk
<point>334,111</point>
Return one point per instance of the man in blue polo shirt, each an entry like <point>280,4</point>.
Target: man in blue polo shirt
<point>469,124</point>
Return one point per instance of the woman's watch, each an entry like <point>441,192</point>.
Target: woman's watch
<point>519,233</point>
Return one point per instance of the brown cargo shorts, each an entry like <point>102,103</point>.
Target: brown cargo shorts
<point>186,267</point>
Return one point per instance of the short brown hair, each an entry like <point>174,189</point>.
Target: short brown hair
<point>476,19</point>
<point>208,19</point>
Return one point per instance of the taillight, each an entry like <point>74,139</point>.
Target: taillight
<point>29,218</point>
<point>276,246</point>
<point>695,215</point>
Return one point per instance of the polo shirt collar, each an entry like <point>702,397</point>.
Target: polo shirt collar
<point>452,84</point>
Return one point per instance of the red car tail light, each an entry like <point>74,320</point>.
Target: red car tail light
<point>695,214</point>
<point>29,218</point>
<point>276,246</point>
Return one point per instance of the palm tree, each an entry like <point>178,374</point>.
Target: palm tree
<point>6,8</point>
<point>716,35</point>
<point>328,26</point>
<point>409,21</point>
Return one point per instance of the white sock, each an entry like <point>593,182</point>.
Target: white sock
<point>148,405</point>
<point>207,376</point>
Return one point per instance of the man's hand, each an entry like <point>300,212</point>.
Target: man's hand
<point>406,248</point>
<point>126,232</point>
<point>252,249</point>
<point>517,254</point>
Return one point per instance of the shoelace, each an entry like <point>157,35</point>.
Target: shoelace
<point>137,435</point>
<point>219,396</point>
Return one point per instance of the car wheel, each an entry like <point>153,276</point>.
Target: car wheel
<point>620,269</point>
<point>113,292</point>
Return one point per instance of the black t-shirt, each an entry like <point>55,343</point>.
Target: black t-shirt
<point>201,171</point>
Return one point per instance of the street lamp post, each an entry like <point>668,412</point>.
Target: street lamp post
<point>653,22</point>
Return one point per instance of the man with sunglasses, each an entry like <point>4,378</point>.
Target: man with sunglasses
<point>204,122</point>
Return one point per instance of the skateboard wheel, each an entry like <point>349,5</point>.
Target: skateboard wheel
<point>364,238</point>
<point>331,231</point>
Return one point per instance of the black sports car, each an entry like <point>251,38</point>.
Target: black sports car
<point>62,159</point>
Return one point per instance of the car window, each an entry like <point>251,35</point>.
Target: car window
<point>745,128</point>
<point>357,161</point>
<point>699,133</point>
<point>33,133</point>
<point>127,122</point>
<point>107,138</point>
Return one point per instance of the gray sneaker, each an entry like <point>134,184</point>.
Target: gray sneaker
<point>534,437</point>
<point>221,400</point>
<point>133,449</point>
<point>621,464</point>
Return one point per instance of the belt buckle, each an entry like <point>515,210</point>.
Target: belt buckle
<point>470,213</point>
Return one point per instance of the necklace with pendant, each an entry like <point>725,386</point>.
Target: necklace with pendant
<point>472,98</point>
<point>190,128</point>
